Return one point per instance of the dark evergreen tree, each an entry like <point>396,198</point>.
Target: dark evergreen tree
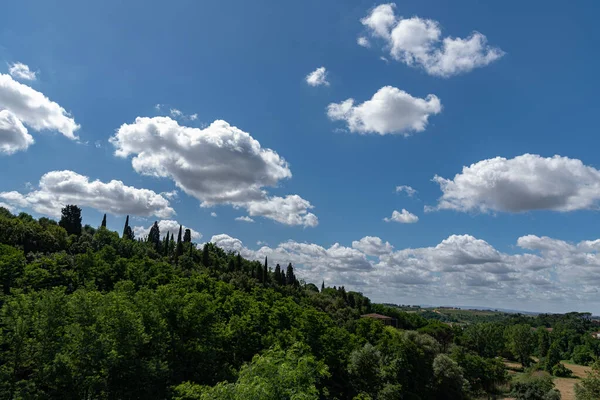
<point>153,235</point>
<point>179,243</point>
<point>71,219</point>
<point>125,227</point>
<point>166,244</point>
<point>103,224</point>
<point>238,264</point>
<point>172,244</point>
<point>187,236</point>
<point>322,286</point>
<point>231,265</point>
<point>205,256</point>
<point>265,274</point>
<point>129,233</point>
<point>283,278</point>
<point>291,279</point>
<point>278,274</point>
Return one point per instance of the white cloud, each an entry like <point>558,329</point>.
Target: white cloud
<point>318,77</point>
<point>166,225</point>
<point>173,194</point>
<point>390,110</point>
<point>13,135</point>
<point>220,164</point>
<point>418,42</point>
<point>461,269</point>
<point>524,183</point>
<point>58,188</point>
<point>213,214</point>
<point>245,218</point>
<point>410,192</point>
<point>175,113</point>
<point>193,117</point>
<point>21,71</point>
<point>403,217</point>
<point>34,109</point>
<point>363,41</point>
<point>157,106</point>
<point>372,246</point>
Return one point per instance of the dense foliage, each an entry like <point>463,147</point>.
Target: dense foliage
<point>88,313</point>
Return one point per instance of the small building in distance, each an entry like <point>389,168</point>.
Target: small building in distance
<point>383,318</point>
<point>596,335</point>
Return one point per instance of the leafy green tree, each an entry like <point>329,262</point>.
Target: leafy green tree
<point>103,224</point>
<point>521,342</point>
<point>589,387</point>
<point>277,375</point>
<point>486,339</point>
<point>448,377</point>
<point>543,342</point>
<point>70,219</point>
<point>364,368</point>
<point>534,387</point>
<point>553,357</point>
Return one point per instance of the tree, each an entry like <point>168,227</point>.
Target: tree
<point>534,387</point>
<point>154,235</point>
<point>448,378</point>
<point>265,273</point>
<point>128,232</point>
<point>543,341</point>
<point>103,224</point>
<point>364,368</point>
<point>553,356</point>
<point>291,279</point>
<point>322,286</point>
<point>71,219</point>
<point>166,245</point>
<point>205,256</point>
<point>179,243</point>
<point>589,387</point>
<point>187,237</point>
<point>520,342</point>
<point>278,274</point>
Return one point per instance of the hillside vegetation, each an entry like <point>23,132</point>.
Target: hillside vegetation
<point>87,313</point>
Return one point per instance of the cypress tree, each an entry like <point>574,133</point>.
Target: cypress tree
<point>153,235</point>
<point>205,256</point>
<point>283,278</point>
<point>231,265</point>
<point>322,286</point>
<point>103,224</point>
<point>179,243</point>
<point>166,244</point>
<point>172,244</point>
<point>265,271</point>
<point>71,219</point>
<point>239,262</point>
<point>187,237</point>
<point>125,227</point>
<point>191,251</point>
<point>278,274</point>
<point>290,275</point>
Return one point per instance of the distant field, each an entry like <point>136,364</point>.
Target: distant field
<point>566,386</point>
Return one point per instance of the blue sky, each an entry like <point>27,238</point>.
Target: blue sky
<point>246,63</point>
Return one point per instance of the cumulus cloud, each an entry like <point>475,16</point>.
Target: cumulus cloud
<point>213,214</point>
<point>410,192</point>
<point>21,71</point>
<point>363,41</point>
<point>403,217</point>
<point>372,246</point>
<point>220,164</point>
<point>34,109</point>
<point>13,135</point>
<point>58,188</point>
<point>318,77</point>
<point>524,183</point>
<point>418,42</point>
<point>166,226</point>
<point>459,269</point>
<point>389,111</point>
<point>245,218</point>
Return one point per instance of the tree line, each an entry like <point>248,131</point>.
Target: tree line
<point>90,313</point>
